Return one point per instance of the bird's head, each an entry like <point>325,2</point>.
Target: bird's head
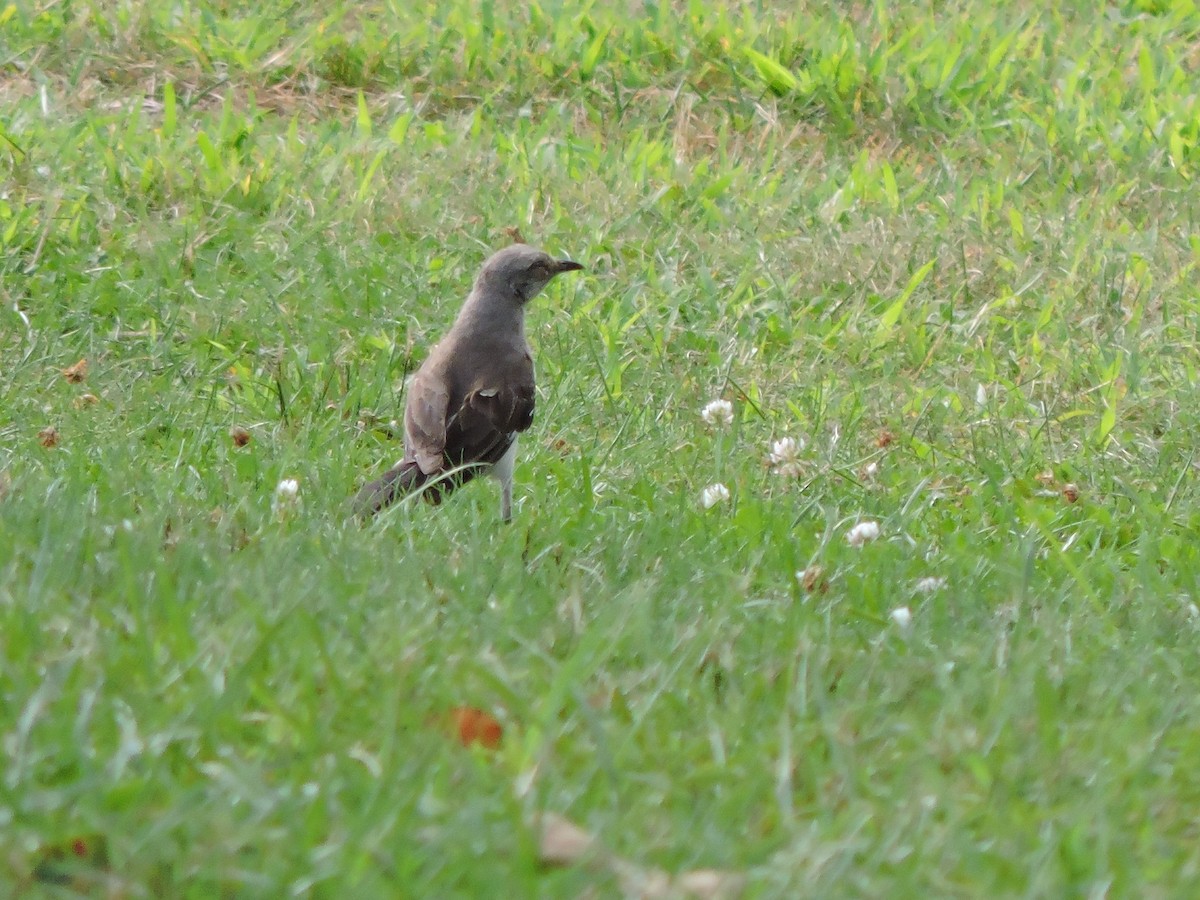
<point>523,270</point>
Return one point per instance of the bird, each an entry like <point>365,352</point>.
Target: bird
<point>475,391</point>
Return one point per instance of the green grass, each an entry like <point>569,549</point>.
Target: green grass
<point>970,226</point>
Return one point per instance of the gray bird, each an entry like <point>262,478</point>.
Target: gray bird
<point>474,393</point>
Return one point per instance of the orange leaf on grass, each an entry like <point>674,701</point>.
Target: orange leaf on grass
<point>474,726</point>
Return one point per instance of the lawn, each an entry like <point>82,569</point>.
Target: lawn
<point>943,642</point>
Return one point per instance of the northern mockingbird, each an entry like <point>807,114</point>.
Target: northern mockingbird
<point>474,393</point>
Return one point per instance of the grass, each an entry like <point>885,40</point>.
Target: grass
<point>953,240</point>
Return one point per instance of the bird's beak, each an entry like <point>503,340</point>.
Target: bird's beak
<point>566,265</point>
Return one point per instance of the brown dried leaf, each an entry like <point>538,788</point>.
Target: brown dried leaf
<point>813,579</point>
<point>73,863</point>
<point>48,437</point>
<point>239,435</point>
<point>514,234</point>
<point>85,400</point>
<point>884,439</point>
<point>1070,492</point>
<point>645,884</point>
<point>711,884</point>
<point>76,373</point>
<point>563,843</point>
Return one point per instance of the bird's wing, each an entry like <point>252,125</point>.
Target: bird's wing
<point>486,424</point>
<point>484,427</point>
<point>425,419</point>
<point>446,432</point>
<point>506,409</point>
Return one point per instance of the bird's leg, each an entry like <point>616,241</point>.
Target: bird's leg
<point>506,500</point>
<point>503,472</point>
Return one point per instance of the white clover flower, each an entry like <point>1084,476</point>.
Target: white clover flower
<point>785,456</point>
<point>862,533</point>
<point>713,494</point>
<point>287,494</point>
<point>718,412</point>
<point>929,584</point>
<point>902,617</point>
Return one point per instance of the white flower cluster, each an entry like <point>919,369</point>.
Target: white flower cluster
<point>714,494</point>
<point>785,457</point>
<point>718,413</point>
<point>287,496</point>
<point>862,533</point>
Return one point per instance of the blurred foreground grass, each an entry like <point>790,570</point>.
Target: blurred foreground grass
<point>949,246</point>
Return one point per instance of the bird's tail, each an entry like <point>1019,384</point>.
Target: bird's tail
<point>395,484</point>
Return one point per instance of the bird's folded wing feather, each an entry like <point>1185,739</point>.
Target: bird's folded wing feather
<point>484,427</point>
<point>508,408</point>
<point>425,420</point>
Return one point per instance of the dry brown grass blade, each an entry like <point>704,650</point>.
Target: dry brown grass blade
<point>562,843</point>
